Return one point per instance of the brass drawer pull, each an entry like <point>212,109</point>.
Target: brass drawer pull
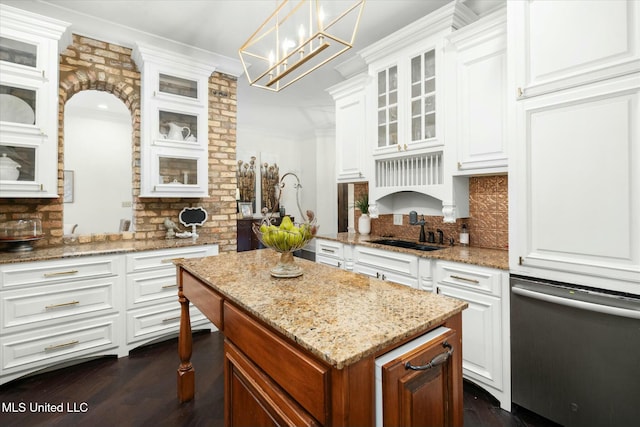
<point>58,346</point>
<point>464,279</point>
<point>170,319</point>
<point>61,273</point>
<point>170,286</point>
<point>64,304</point>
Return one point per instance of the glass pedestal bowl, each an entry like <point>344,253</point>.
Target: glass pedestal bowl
<point>285,239</point>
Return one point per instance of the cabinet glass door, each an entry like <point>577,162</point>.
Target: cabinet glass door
<point>423,96</point>
<point>178,126</point>
<point>18,105</point>
<point>178,171</point>
<point>18,52</point>
<point>388,107</point>
<point>178,86</point>
<point>17,163</point>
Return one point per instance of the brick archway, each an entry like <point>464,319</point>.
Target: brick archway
<point>89,64</point>
<point>80,80</point>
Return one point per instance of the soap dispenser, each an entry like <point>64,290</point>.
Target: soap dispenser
<point>464,235</point>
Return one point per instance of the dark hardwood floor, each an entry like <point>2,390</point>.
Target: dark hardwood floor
<point>140,390</point>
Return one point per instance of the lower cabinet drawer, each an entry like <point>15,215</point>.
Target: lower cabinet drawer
<point>151,287</point>
<point>333,262</point>
<point>473,277</point>
<point>154,322</point>
<point>147,260</point>
<point>390,261</point>
<point>59,271</point>
<point>50,346</point>
<point>48,305</point>
<point>329,248</point>
<point>305,379</point>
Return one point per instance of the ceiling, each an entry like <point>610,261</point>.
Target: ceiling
<point>221,27</point>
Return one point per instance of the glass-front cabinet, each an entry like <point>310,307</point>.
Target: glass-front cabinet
<point>388,107</point>
<point>174,133</point>
<point>406,117</point>
<point>29,47</point>
<point>406,102</point>
<point>423,96</point>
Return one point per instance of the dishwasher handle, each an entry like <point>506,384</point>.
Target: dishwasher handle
<point>583,305</point>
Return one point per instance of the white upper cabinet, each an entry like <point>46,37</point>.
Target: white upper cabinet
<point>476,104</point>
<point>563,43</point>
<point>29,48</point>
<point>405,114</point>
<point>351,108</point>
<point>406,97</point>
<point>574,187</point>
<point>174,123</point>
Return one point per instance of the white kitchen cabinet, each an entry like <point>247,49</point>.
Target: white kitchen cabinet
<point>30,351</point>
<point>152,308</point>
<point>174,123</point>
<point>329,252</point>
<point>59,311</point>
<point>406,110</point>
<point>386,265</point>
<point>406,89</point>
<point>561,44</point>
<point>575,82</point>
<point>64,310</point>
<point>575,198</point>
<point>29,47</point>
<point>351,107</point>
<point>476,110</point>
<point>485,324</point>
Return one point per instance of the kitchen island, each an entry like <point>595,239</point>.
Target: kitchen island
<point>303,351</point>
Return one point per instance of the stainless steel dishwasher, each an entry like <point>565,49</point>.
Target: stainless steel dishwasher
<point>575,353</point>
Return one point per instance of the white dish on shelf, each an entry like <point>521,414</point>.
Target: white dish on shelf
<point>16,110</point>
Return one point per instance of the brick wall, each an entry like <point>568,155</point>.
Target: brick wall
<point>94,64</point>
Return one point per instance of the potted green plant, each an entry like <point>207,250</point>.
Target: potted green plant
<point>364,222</point>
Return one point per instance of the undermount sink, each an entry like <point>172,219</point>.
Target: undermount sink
<point>405,244</point>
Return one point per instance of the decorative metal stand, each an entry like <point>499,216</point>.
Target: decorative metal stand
<point>287,238</point>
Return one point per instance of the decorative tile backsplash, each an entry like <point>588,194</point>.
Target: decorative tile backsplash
<point>488,221</point>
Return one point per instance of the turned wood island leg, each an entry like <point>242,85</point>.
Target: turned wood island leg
<point>186,373</point>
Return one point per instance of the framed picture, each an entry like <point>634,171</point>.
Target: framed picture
<point>68,187</point>
<point>246,210</point>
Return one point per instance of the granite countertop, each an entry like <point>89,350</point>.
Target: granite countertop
<point>99,248</point>
<point>494,258</point>
<point>339,316</point>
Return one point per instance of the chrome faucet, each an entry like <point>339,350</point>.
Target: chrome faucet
<point>413,220</point>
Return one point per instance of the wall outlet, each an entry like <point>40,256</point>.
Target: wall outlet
<point>126,204</point>
<point>397,219</point>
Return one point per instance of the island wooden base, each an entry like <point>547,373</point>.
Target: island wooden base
<point>271,380</point>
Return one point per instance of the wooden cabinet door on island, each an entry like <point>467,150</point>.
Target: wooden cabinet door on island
<point>253,399</point>
<point>417,385</point>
